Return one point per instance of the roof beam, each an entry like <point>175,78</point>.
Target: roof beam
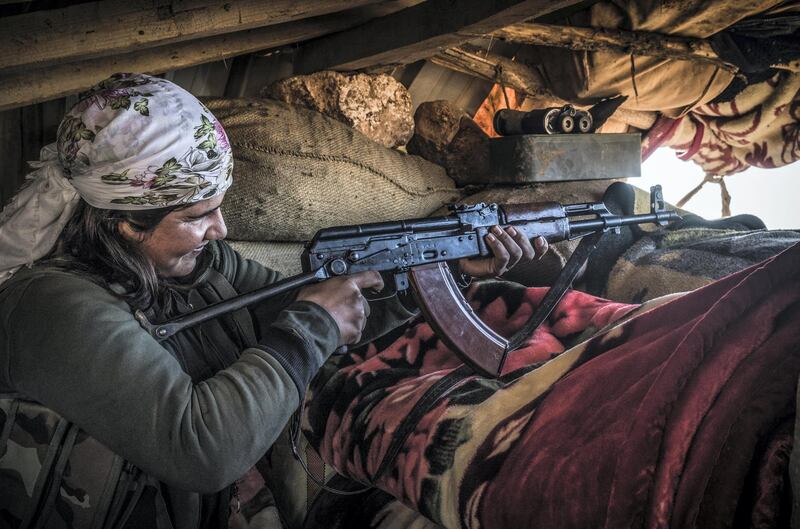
<point>34,86</point>
<point>591,39</point>
<point>491,67</point>
<point>111,27</point>
<point>522,78</point>
<point>417,33</point>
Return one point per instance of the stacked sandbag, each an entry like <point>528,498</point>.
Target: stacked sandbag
<point>297,171</point>
<point>378,105</point>
<point>281,256</point>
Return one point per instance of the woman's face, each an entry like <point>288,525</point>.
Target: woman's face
<point>174,245</point>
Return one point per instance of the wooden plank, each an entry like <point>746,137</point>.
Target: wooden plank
<point>28,87</point>
<point>416,33</point>
<point>101,29</point>
<point>473,61</point>
<point>202,80</point>
<point>32,134</point>
<point>591,39</point>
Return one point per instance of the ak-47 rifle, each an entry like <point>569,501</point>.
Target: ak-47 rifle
<point>416,251</point>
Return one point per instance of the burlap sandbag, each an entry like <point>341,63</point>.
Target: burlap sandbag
<point>297,171</point>
<point>283,257</point>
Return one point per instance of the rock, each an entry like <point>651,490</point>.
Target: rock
<point>444,134</point>
<point>468,155</point>
<point>378,106</point>
<point>435,125</point>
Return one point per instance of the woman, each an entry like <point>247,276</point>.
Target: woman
<point>104,426</point>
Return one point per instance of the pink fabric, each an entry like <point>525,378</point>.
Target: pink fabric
<point>760,127</point>
<point>660,429</point>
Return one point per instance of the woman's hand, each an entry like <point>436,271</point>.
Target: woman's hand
<point>341,297</point>
<point>509,248</point>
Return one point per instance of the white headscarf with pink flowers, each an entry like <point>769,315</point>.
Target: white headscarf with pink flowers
<point>131,142</point>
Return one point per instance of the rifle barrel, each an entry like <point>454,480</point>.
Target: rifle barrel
<point>615,221</point>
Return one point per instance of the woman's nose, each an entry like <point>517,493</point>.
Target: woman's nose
<point>217,230</point>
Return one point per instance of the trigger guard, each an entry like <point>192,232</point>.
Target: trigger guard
<point>389,290</point>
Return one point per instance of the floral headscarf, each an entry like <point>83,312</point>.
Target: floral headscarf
<point>131,142</point>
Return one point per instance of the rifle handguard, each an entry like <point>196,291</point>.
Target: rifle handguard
<point>454,321</point>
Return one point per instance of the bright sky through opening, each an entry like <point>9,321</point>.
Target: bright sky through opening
<point>773,195</point>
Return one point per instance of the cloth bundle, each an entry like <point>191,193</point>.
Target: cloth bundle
<point>759,127</point>
<point>668,86</point>
<point>679,413</point>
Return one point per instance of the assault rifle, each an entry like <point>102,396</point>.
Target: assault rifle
<point>415,253</point>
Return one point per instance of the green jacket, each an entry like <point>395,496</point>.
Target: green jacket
<point>193,413</point>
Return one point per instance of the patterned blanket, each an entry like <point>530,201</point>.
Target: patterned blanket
<point>759,127</point>
<point>637,265</point>
<point>688,258</point>
<point>686,255</point>
<point>676,413</point>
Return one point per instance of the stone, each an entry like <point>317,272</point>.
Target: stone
<point>446,135</point>
<point>377,105</point>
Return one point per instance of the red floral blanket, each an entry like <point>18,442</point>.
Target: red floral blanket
<point>760,127</point>
<point>676,415</point>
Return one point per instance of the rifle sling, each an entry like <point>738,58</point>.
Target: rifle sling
<point>556,292</point>
<point>445,385</point>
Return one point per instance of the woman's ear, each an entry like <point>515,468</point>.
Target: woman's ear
<point>129,232</point>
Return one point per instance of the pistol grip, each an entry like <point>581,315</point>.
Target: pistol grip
<point>454,321</point>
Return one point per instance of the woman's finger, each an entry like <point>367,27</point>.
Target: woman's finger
<point>501,257</point>
<point>541,246</point>
<point>369,279</point>
<point>528,253</point>
<point>511,246</point>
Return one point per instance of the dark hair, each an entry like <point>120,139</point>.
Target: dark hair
<point>93,240</point>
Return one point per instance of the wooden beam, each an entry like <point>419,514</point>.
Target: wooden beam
<point>641,119</point>
<point>34,86</point>
<point>97,29</point>
<point>522,78</point>
<point>592,39</point>
<point>417,33</point>
<point>491,67</point>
